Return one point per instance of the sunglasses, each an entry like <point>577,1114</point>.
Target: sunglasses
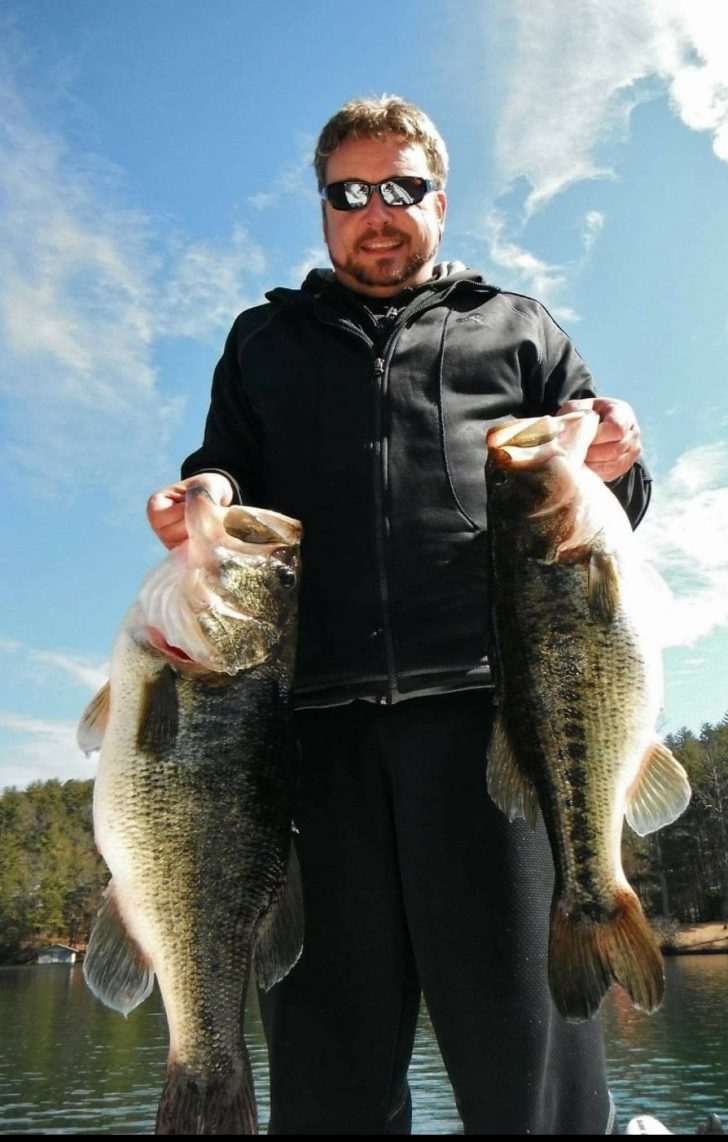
<point>354,194</point>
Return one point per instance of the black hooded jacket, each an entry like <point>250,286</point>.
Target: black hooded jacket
<point>370,429</point>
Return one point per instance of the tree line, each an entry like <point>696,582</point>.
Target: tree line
<point>52,878</point>
<point>681,872</point>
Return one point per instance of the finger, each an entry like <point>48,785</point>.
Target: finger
<point>612,460</point>
<point>172,534</point>
<point>582,404</point>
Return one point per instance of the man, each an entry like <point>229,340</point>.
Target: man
<point>359,405</point>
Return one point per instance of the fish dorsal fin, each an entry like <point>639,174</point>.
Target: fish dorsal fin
<point>280,935</point>
<point>513,793</point>
<point>92,727</point>
<point>659,794</point>
<point>115,967</point>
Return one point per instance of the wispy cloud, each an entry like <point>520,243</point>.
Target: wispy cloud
<point>88,287</point>
<point>208,286</point>
<point>35,749</point>
<point>40,666</point>
<point>618,56</point>
<point>311,258</point>
<point>592,225</point>
<point>574,75</point>
<point>685,537</point>
<point>38,748</point>
<point>87,673</point>
<point>295,179</point>
<point>534,275</point>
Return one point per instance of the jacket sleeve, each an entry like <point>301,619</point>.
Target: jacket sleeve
<point>566,377</point>
<point>232,439</point>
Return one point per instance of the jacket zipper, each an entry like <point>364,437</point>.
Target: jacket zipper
<point>381,380</point>
<point>381,485</point>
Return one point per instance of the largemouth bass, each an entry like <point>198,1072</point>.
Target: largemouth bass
<point>579,678</point>
<point>192,803</point>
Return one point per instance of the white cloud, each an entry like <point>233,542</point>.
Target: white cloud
<point>685,537</point>
<point>295,179</point>
<point>207,287</point>
<point>88,286</point>
<point>35,749</point>
<point>578,70</point>
<point>592,225</point>
<point>534,276</point>
<point>75,362</point>
<point>89,674</point>
<point>311,259</point>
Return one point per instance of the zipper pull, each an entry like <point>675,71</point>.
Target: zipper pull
<point>378,366</point>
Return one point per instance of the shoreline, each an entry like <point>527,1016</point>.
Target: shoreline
<point>693,939</point>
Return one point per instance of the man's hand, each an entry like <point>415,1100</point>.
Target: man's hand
<point>166,508</point>
<point>617,443</point>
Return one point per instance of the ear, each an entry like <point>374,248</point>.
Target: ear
<point>441,200</point>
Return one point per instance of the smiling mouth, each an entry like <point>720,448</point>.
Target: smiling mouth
<point>381,246</point>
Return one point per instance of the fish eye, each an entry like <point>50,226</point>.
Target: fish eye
<point>498,477</point>
<point>286,576</point>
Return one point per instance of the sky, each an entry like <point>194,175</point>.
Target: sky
<point>155,180</point>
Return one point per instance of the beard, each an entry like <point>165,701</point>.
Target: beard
<point>388,270</point>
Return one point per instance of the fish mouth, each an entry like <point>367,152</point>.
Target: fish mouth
<point>533,441</point>
<point>159,642</point>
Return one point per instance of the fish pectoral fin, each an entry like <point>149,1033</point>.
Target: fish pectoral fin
<point>115,967</point>
<point>92,727</point>
<point>603,588</point>
<point>513,793</point>
<point>279,940</point>
<point>659,794</point>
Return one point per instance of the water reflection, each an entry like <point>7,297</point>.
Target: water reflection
<point>673,1064</point>
<point>70,1066</point>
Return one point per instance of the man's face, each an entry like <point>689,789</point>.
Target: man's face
<point>381,249</point>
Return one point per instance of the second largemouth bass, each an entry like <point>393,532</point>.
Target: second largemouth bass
<point>579,676</point>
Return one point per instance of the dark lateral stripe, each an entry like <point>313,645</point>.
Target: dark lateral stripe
<point>159,716</point>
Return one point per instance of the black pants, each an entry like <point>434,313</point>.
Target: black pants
<point>415,882</point>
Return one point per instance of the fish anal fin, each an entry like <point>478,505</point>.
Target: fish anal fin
<point>513,792</point>
<point>279,940</point>
<point>587,957</point>
<point>660,792</point>
<point>159,716</point>
<point>92,727</point>
<point>115,967</point>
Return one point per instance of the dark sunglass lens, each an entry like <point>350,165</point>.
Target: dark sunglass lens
<point>357,194</point>
<point>403,191</point>
<point>350,195</point>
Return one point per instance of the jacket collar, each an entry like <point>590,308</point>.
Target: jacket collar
<point>321,286</point>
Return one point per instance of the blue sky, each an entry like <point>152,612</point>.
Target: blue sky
<point>155,179</point>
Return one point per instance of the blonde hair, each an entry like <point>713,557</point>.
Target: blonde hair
<point>374,118</point>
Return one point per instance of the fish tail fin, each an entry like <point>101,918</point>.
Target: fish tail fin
<point>222,1104</point>
<point>586,956</point>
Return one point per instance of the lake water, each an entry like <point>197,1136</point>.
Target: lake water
<point>70,1066</point>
